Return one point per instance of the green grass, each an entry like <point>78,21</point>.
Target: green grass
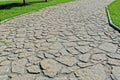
<point>114,9</point>
<point>12,8</point>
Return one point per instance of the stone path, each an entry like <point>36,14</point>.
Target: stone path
<point>71,41</point>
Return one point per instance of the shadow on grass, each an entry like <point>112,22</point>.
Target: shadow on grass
<point>11,5</point>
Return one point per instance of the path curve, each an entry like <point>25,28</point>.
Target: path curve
<point>71,41</point>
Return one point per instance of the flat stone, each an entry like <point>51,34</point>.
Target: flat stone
<point>83,43</point>
<point>114,56</point>
<point>69,44</point>
<point>19,45</point>
<point>83,49</point>
<point>4,69</point>
<point>19,66</point>
<point>56,46</point>
<point>5,63</point>
<point>34,59</point>
<point>95,72</point>
<point>47,55</point>
<point>24,77</point>
<point>73,51</point>
<point>73,38</point>
<point>64,52</point>
<point>67,60</point>
<point>108,47</point>
<point>114,62</point>
<point>54,52</point>
<point>84,65</point>
<point>99,57</point>
<point>2,59</point>
<point>116,72</point>
<point>72,77</point>
<point>40,77</point>
<point>3,77</point>
<point>40,54</point>
<point>28,45</point>
<point>21,31</point>
<point>34,69</point>
<point>50,67</point>
<point>25,54</point>
<point>84,57</point>
<point>73,68</point>
<point>61,77</point>
<point>65,70</point>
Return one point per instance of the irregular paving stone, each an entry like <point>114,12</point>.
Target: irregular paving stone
<point>54,52</point>
<point>84,65</point>
<point>73,38</point>
<point>73,51</point>
<point>83,43</point>
<point>25,54</point>
<point>72,77</point>
<point>73,68</point>
<point>2,59</point>
<point>21,31</point>
<point>56,46</point>
<point>13,57</point>
<point>47,55</point>
<point>84,57</point>
<point>95,72</point>
<point>61,77</point>
<point>116,72</point>
<point>67,60</point>
<point>28,45</point>
<point>50,67</point>
<point>69,44</point>
<point>64,52</point>
<point>40,54</point>
<point>4,69</point>
<point>114,56</point>
<point>114,62</point>
<point>108,47</point>
<point>65,70</point>
<point>24,77</point>
<point>34,59</point>
<point>33,69</point>
<point>5,63</point>
<point>19,45</point>
<point>42,78</point>
<point>19,66</point>
<point>83,49</point>
<point>99,57</point>
<point>3,77</point>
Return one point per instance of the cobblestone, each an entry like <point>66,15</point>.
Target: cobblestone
<point>71,41</point>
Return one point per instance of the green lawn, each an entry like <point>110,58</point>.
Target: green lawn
<point>12,8</point>
<point>114,9</point>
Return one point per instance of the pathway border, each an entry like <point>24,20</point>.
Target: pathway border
<point>110,20</point>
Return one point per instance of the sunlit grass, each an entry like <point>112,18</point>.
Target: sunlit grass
<point>16,10</point>
<point>114,9</point>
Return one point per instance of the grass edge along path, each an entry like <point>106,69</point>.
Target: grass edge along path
<point>114,10</point>
<point>6,14</point>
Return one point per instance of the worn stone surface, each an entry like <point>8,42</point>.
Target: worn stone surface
<point>50,67</point>
<point>34,69</point>
<point>64,42</point>
<point>116,72</point>
<point>108,47</point>
<point>67,60</point>
<point>84,57</point>
<point>83,49</point>
<point>4,77</point>
<point>19,66</point>
<point>92,73</point>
